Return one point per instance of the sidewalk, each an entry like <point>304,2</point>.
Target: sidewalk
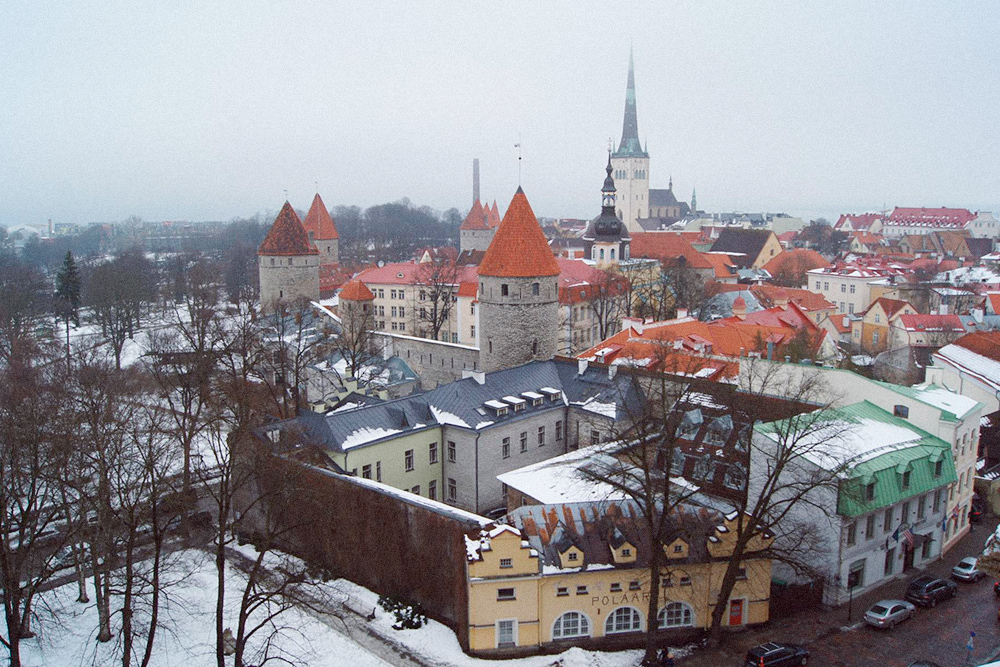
<point>815,624</point>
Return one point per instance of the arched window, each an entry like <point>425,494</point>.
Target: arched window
<point>571,624</point>
<point>612,253</point>
<point>535,288</point>
<point>675,615</point>
<point>623,619</point>
<point>602,253</point>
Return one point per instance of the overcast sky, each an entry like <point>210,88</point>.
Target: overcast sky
<point>210,110</point>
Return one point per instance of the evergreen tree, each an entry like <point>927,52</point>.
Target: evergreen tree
<point>68,290</point>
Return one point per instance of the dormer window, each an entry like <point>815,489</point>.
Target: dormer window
<point>906,480</point>
<point>626,552</point>
<point>573,556</point>
<point>870,492</point>
<point>901,411</point>
<point>938,468</point>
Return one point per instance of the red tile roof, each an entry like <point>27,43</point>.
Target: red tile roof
<point>994,298</point>
<point>889,306</point>
<point>984,343</point>
<point>862,221</point>
<point>410,273</point>
<point>933,216</point>
<point>579,281</point>
<point>768,295</point>
<point>796,262</point>
<point>287,236</point>
<point>494,215</point>
<point>777,317</point>
<point>947,323</point>
<point>477,219</point>
<point>356,291</point>
<point>668,247</point>
<point>519,248</point>
<point>319,222</point>
<point>722,263</point>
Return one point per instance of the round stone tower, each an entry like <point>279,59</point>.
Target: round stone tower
<point>518,292</point>
<point>287,262</point>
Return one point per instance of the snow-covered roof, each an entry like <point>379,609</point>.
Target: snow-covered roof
<point>559,480</point>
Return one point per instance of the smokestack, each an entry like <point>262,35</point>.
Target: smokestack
<point>475,179</point>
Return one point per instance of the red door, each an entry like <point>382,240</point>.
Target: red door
<point>736,612</point>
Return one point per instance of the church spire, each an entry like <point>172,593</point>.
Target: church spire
<point>630,146</point>
<point>694,200</point>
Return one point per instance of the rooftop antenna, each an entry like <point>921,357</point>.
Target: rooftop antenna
<point>316,182</point>
<point>518,147</point>
<point>286,194</point>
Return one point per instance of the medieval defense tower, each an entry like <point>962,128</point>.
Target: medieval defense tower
<point>518,292</point>
<point>630,163</point>
<point>322,232</point>
<point>287,262</point>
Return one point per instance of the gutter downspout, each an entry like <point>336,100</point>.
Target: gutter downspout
<point>477,472</point>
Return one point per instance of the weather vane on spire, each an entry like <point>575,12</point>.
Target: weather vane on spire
<point>286,194</point>
<point>518,147</point>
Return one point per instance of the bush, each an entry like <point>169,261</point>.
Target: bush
<point>408,616</point>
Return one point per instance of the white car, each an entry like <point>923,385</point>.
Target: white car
<point>887,613</point>
<point>967,570</point>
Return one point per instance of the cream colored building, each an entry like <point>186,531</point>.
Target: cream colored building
<point>554,578</point>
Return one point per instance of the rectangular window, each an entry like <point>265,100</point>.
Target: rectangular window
<point>402,311</point>
<point>905,515</point>
<point>870,492</point>
<point>890,561</point>
<point>402,294</point>
<point>506,562</point>
<point>852,533</point>
<point>505,633</point>
<point>581,590</point>
<point>843,288</point>
<point>741,573</point>
<point>856,575</point>
<point>852,289</point>
<point>925,551</point>
<point>524,441</point>
<point>432,489</point>
<point>573,556</point>
<point>472,331</point>
<point>906,479</point>
<point>562,591</point>
<point>366,471</point>
<point>901,411</point>
<point>432,452</point>
<point>616,588</point>
<point>595,437</point>
<point>826,286</point>
<point>870,527</point>
<point>937,502</point>
<point>541,436</point>
<point>394,311</point>
<point>415,490</point>
<point>452,490</point>
<point>686,580</point>
<point>402,326</point>
<point>505,448</point>
<point>634,585</point>
<point>921,507</point>
<point>451,452</point>
<point>408,460</point>
<point>938,468</point>
<point>378,471</point>
<point>559,430</point>
<point>887,522</point>
<point>505,594</point>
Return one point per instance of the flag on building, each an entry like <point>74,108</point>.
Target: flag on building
<point>909,537</point>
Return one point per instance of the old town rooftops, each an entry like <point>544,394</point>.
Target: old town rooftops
<point>467,403</point>
<point>594,527</point>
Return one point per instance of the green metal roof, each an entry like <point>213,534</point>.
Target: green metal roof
<point>922,396</point>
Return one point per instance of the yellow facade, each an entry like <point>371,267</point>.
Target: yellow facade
<point>387,462</point>
<point>508,584</point>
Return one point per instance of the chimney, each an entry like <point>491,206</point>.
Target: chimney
<point>740,308</point>
<point>977,315</point>
<point>478,376</point>
<point>581,366</point>
<point>612,371</point>
<point>682,313</point>
<point>781,299</point>
<point>770,350</point>
<point>475,179</point>
<point>943,309</point>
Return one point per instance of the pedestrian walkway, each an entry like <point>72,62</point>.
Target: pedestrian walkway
<point>813,625</point>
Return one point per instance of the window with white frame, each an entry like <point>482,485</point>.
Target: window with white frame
<point>507,632</point>
<point>570,625</point>
<point>675,615</point>
<point>623,619</point>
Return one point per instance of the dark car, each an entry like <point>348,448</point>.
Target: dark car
<point>773,654</point>
<point>927,591</point>
<point>976,510</point>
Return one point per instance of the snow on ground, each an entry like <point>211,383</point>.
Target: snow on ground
<point>190,641</point>
<point>437,645</point>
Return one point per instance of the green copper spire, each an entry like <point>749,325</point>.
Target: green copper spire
<point>694,201</point>
<point>630,146</point>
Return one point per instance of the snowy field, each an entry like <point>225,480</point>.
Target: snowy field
<point>188,637</point>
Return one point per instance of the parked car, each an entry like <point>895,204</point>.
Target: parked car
<point>773,654</point>
<point>923,663</point>
<point>966,570</point>
<point>976,510</point>
<point>927,591</point>
<point>887,613</point>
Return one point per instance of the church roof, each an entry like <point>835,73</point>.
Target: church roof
<point>630,146</point>
<point>478,218</point>
<point>356,291</point>
<point>319,222</point>
<point>519,248</point>
<point>287,236</point>
<point>660,197</point>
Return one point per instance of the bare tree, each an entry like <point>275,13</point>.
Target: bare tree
<point>356,341</point>
<point>782,482</point>
<point>437,289</point>
<point>295,338</point>
<point>31,407</point>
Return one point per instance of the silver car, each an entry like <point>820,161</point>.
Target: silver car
<point>967,570</point>
<point>887,613</point>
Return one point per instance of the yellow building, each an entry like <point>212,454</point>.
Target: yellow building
<point>579,574</point>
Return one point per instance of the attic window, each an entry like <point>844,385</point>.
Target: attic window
<point>518,403</point>
<point>506,562</point>
<point>399,275</point>
<point>870,491</point>
<point>938,468</point>
<point>905,482</point>
<point>573,555</point>
<point>901,411</point>
<point>626,552</point>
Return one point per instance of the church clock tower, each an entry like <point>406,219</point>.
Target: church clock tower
<point>630,163</point>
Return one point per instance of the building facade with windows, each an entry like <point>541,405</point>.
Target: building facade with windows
<point>450,444</point>
<point>578,573</point>
<point>892,500</point>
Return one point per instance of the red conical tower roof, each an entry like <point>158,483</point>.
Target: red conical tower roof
<point>356,291</point>
<point>476,220</point>
<point>519,248</point>
<point>287,236</point>
<point>494,217</point>
<point>319,222</point>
